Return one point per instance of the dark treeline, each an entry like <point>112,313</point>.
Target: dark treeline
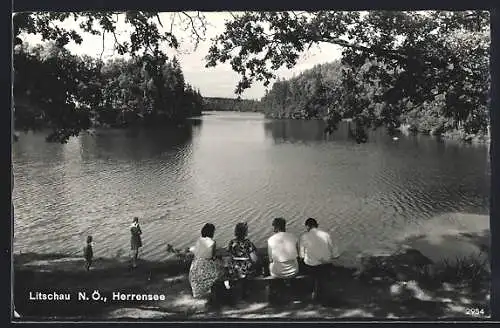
<point>320,92</point>
<point>83,91</point>
<point>231,104</point>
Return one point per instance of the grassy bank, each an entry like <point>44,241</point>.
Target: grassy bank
<point>405,284</point>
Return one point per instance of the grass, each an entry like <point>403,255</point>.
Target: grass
<point>469,270</point>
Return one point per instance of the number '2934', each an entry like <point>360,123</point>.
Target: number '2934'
<point>474,311</point>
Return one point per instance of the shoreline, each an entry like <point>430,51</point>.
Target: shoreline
<point>387,285</point>
<point>449,136</point>
<point>405,129</point>
<point>453,135</point>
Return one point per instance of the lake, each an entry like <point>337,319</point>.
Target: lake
<point>230,167</point>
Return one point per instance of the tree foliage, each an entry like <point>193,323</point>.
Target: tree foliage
<point>147,29</point>
<point>69,93</point>
<point>79,82</point>
<point>394,63</point>
<point>311,94</point>
<point>397,67</point>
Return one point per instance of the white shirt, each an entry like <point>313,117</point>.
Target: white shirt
<point>282,247</point>
<point>203,248</point>
<point>316,247</point>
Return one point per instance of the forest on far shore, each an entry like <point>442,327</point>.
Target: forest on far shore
<point>319,92</point>
<point>231,104</point>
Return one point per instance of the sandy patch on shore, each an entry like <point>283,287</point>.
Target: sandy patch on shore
<point>446,237</point>
<point>451,236</point>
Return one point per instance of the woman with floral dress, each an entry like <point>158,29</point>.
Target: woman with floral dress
<point>243,263</point>
<point>205,269</point>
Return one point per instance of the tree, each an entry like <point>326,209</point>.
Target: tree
<point>53,80</point>
<point>311,94</point>
<point>416,58</point>
<point>118,92</point>
<point>146,42</point>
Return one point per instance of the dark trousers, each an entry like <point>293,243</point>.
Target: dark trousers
<point>280,290</point>
<point>319,274</point>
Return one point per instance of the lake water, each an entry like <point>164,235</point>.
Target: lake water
<point>230,167</point>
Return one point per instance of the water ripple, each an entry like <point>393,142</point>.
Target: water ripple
<point>234,169</point>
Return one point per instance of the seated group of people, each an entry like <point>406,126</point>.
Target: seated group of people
<point>314,250</point>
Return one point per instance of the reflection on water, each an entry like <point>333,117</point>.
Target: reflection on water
<point>297,131</point>
<point>231,167</point>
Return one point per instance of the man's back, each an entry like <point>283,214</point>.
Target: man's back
<point>282,247</point>
<point>316,247</point>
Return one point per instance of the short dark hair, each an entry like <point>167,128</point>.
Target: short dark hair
<point>208,230</point>
<point>279,223</point>
<point>89,239</point>
<point>311,223</point>
<point>136,219</point>
<point>241,230</point>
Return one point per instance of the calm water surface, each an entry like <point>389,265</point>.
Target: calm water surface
<point>232,167</point>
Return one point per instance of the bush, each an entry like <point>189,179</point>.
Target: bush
<point>471,271</point>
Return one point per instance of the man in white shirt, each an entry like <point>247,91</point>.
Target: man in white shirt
<point>317,251</point>
<point>282,251</point>
<point>283,259</point>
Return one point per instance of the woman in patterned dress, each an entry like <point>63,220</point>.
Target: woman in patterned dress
<point>243,262</point>
<point>205,269</point>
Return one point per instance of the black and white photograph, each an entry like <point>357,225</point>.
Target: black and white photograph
<point>251,165</point>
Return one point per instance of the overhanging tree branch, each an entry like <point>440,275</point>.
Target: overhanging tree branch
<point>194,29</point>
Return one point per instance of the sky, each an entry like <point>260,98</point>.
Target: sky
<point>219,81</point>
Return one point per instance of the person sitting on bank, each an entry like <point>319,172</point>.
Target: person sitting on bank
<point>243,263</point>
<point>135,240</point>
<point>88,253</point>
<point>282,251</point>
<point>205,270</point>
<point>317,252</point>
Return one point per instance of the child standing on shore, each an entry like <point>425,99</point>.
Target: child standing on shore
<point>88,253</point>
<point>135,240</point>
